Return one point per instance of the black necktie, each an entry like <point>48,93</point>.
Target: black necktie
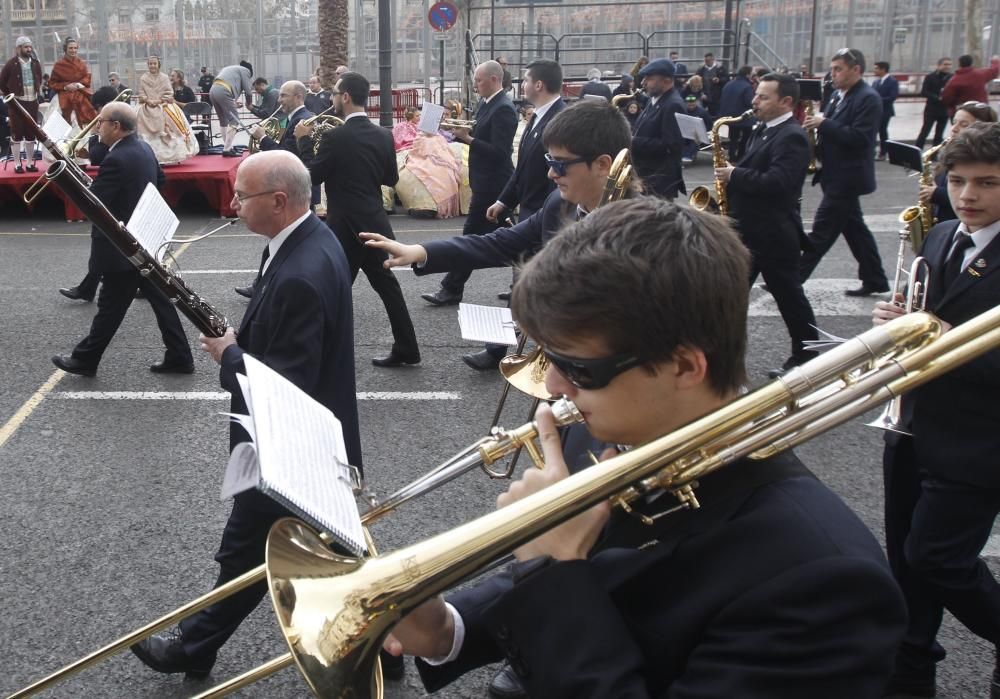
<point>831,108</point>
<point>953,267</point>
<point>263,261</point>
<point>757,136</point>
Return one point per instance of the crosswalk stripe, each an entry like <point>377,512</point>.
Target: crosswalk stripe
<point>223,395</point>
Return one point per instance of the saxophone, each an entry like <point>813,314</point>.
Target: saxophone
<point>918,220</point>
<point>701,197</point>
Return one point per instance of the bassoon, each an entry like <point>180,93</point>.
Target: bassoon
<point>208,320</point>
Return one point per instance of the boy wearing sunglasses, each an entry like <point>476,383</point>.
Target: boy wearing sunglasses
<point>581,142</point>
<point>772,588</point>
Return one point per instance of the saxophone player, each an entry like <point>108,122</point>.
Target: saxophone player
<point>763,190</point>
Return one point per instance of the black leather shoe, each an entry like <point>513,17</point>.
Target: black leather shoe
<point>394,360</point>
<point>230,154</point>
<point>442,297</point>
<point>19,169</point>
<point>165,653</point>
<point>792,362</point>
<point>504,296</point>
<point>866,290</point>
<point>244,291</point>
<point>72,365</point>
<point>393,666</point>
<point>32,168</point>
<point>73,292</point>
<point>507,685</point>
<point>481,361</point>
<point>172,367</point>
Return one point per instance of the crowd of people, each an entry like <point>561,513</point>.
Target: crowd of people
<point>774,587</point>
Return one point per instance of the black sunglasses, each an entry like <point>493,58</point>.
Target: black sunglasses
<point>559,166</point>
<point>592,374</point>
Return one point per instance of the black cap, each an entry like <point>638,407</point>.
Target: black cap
<point>246,65</point>
<point>661,66</point>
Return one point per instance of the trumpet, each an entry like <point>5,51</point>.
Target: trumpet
<point>810,110</point>
<point>335,611</point>
<point>480,454</point>
<point>449,124</point>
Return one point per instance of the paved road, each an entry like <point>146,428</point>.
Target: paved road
<point>110,510</point>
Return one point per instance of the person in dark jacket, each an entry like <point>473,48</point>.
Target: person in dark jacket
<point>737,95</point>
<point>205,83</point>
<point>935,113</point>
<point>594,86</point>
<point>887,88</point>
<point>776,589</point>
<point>657,144</point>
<point>714,77</point>
<point>942,487</point>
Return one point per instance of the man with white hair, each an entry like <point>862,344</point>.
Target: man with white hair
<point>299,322</point>
<point>594,86</point>
<point>490,142</point>
<point>22,77</point>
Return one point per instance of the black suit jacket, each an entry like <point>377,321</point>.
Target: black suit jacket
<point>956,418</point>
<point>288,141</point>
<point>490,165</point>
<point>299,323</point>
<point>765,188</point>
<point>530,183</point>
<point>502,247</point>
<point>354,161</point>
<point>125,171</point>
<point>657,146</point>
<point>847,141</point>
<point>773,589</point>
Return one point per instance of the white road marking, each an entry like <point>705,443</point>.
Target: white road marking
<point>223,395</point>
<point>185,272</point>
<point>825,295</point>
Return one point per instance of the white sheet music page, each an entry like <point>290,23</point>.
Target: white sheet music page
<point>300,446</point>
<point>692,127</point>
<point>486,324</point>
<point>153,222</point>
<point>430,117</point>
<point>56,128</point>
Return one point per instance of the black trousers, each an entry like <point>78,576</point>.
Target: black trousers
<point>936,120</point>
<point>883,133</point>
<point>935,531</point>
<point>843,215</point>
<point>782,279</point>
<point>88,285</point>
<point>384,282</point>
<point>117,293</point>
<point>476,223</point>
<point>242,549</point>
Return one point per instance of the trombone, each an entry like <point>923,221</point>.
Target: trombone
<point>73,144</point>
<point>335,611</point>
<point>481,454</point>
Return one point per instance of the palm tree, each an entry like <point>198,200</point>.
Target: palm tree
<point>332,25</point>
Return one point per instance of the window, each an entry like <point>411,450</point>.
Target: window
<point>152,14</point>
<point>124,16</point>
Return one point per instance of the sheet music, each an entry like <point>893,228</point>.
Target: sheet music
<point>153,222</point>
<point>486,324</point>
<point>300,447</point>
<point>692,128</point>
<point>57,128</point>
<point>430,117</point>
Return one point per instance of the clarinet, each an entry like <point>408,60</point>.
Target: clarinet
<point>39,135</point>
<point>208,320</point>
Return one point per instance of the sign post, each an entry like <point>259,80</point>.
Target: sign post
<point>442,17</point>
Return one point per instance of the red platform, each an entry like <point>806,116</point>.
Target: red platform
<point>212,175</point>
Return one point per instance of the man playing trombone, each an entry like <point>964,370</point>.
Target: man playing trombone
<point>773,588</point>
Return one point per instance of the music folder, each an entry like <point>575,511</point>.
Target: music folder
<point>692,128</point>
<point>296,455</point>
<point>905,155</point>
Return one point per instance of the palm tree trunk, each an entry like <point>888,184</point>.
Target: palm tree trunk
<point>332,21</point>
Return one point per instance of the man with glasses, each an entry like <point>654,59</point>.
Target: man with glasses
<point>299,323</point>
<point>846,143</point>
<point>126,169</point>
<point>490,144</point>
<point>354,161</point>
<point>772,588</point>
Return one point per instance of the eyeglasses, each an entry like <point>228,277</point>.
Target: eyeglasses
<point>107,121</point>
<point>241,198</point>
<point>560,166</point>
<point>592,374</point>
<point>848,54</point>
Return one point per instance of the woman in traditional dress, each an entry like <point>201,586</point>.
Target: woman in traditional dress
<point>160,122</point>
<point>71,81</point>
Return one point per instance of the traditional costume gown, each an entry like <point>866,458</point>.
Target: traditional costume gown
<point>162,125</point>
